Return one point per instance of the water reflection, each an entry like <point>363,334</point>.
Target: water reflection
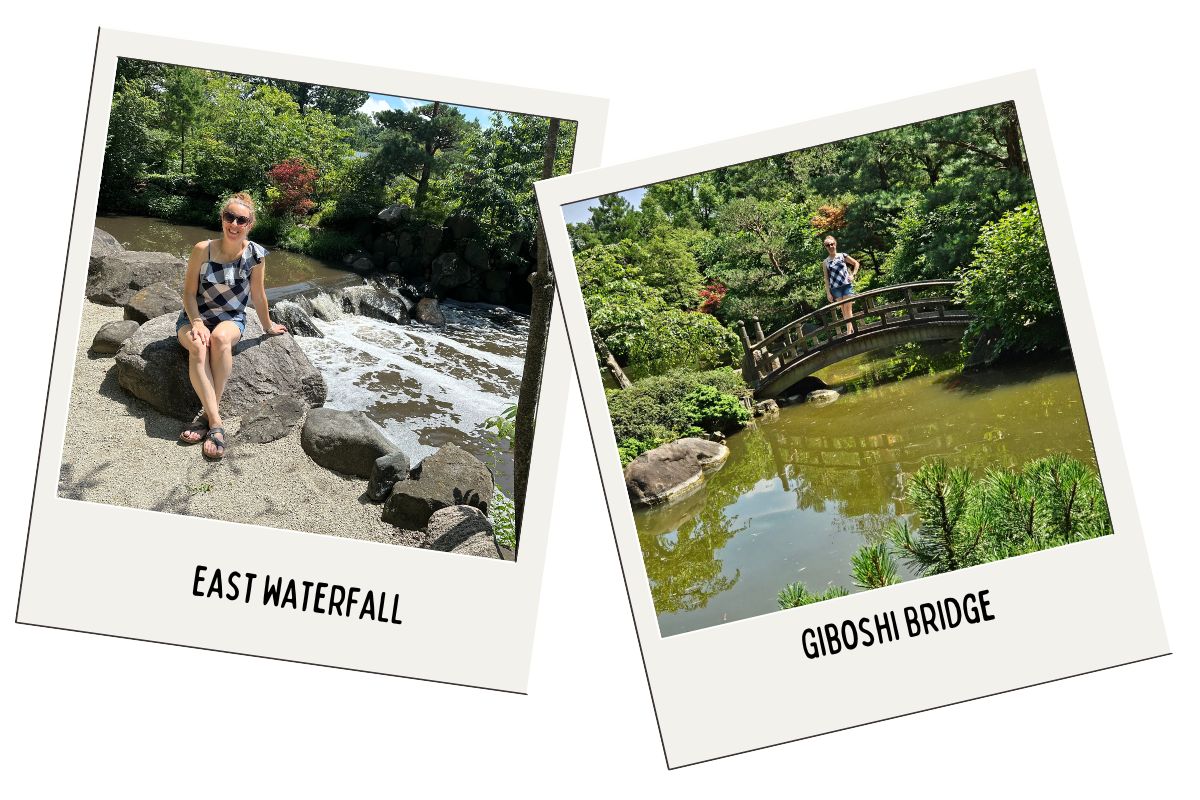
<point>802,492</point>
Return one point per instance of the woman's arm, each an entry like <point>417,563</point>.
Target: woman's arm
<point>854,266</point>
<point>828,286</point>
<point>258,295</point>
<point>191,287</point>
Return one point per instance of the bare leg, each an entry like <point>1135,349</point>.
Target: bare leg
<point>220,353</point>
<point>200,375</point>
<point>224,337</point>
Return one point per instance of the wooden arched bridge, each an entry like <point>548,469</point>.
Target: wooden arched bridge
<point>909,312</point>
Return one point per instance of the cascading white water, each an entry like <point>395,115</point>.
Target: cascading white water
<point>424,385</point>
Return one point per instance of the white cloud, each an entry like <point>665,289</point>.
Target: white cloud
<point>373,105</point>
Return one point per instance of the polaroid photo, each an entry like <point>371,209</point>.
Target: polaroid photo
<point>305,333</point>
<point>851,419</point>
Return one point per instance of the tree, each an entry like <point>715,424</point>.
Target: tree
<point>1009,286</point>
<point>413,140</point>
<point>535,353</point>
<point>133,144</point>
<point>184,98</point>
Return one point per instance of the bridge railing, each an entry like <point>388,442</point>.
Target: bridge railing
<point>886,308</point>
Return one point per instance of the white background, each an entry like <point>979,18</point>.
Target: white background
<point>83,713</point>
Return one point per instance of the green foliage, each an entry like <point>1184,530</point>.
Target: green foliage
<point>872,567</point>
<point>661,409</point>
<point>796,594</point>
<point>963,521</point>
<point>1010,285</point>
<point>502,511</point>
<point>641,329</point>
<point>503,514</point>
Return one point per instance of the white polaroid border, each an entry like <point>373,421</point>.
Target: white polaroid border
<point>125,572</point>
<point>746,685</point>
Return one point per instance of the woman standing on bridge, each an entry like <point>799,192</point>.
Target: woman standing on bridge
<point>840,272</point>
<point>222,274</point>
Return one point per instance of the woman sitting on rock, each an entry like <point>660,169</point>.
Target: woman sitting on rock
<point>222,274</point>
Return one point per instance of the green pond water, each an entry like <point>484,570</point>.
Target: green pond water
<point>802,491</point>
<point>156,235</point>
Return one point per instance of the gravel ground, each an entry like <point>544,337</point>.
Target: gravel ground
<point>122,452</point>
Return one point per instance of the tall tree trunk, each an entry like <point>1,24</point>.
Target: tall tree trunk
<point>540,307</point>
<point>427,165</point>
<point>610,362</point>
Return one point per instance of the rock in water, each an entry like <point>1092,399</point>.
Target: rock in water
<point>672,470</point>
<point>344,441</point>
<point>461,529</point>
<point>111,334</point>
<point>271,419</point>
<point>449,477</point>
<point>152,366</point>
<point>428,312</point>
<point>388,471</point>
<point>103,244</point>
<point>296,319</point>
<point>822,397</point>
<point>154,301</point>
<point>119,276</point>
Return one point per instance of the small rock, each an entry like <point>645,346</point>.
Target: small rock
<point>154,301</point>
<point>449,477</point>
<point>822,397</point>
<point>427,311</point>
<point>345,441</point>
<point>271,419</point>
<point>386,472</point>
<point>459,529</point>
<point>764,407</point>
<point>395,213</point>
<point>111,335</point>
<point>296,319</point>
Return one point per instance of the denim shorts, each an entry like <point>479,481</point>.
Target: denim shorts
<point>839,292</point>
<point>183,322</point>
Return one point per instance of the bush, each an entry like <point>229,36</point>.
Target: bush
<point>667,407</point>
<point>796,594</point>
<point>963,521</point>
<point>330,245</point>
<point>1010,285</point>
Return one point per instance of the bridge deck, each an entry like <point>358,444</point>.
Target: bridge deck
<point>885,317</point>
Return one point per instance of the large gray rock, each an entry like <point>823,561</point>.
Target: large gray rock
<point>152,365</point>
<point>348,442</point>
<point>449,271</point>
<point>386,473</point>
<point>453,527</point>
<point>672,470</point>
<point>395,213</point>
<point>103,244</point>
<point>154,301</point>
<point>112,335</point>
<point>271,419</point>
<point>295,319</point>
<point>119,276</point>
<point>369,301</point>
<point>427,311</point>
<point>449,477</point>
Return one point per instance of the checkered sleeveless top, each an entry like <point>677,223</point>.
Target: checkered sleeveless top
<point>224,289</point>
<point>839,273</point>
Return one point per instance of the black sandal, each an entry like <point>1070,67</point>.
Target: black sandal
<point>199,426</point>
<point>217,437</point>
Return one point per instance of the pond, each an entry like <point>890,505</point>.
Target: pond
<point>803,490</point>
<point>283,268</point>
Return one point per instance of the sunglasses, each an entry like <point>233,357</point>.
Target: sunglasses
<point>830,244</point>
<point>231,218</point>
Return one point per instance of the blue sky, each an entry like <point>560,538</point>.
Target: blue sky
<point>582,211</point>
<point>383,102</point>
